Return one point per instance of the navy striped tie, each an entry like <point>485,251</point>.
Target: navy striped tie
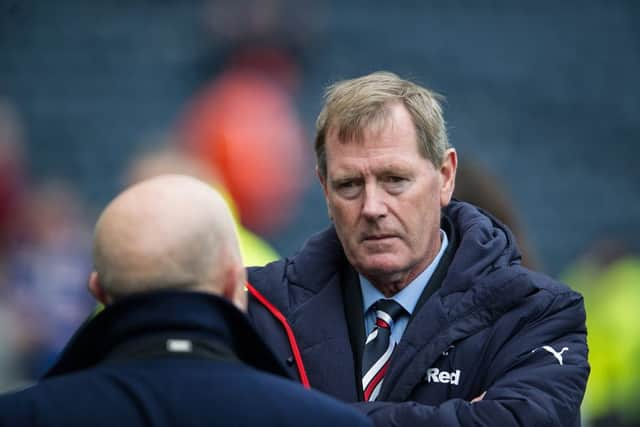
<point>379,347</point>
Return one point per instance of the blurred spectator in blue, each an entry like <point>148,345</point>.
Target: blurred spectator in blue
<point>609,279</point>
<point>46,272</point>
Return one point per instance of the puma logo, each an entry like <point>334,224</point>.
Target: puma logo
<point>556,354</point>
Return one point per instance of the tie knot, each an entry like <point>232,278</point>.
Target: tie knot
<point>388,310</point>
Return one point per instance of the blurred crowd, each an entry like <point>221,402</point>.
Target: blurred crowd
<point>44,261</point>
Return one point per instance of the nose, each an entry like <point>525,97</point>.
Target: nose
<point>374,205</point>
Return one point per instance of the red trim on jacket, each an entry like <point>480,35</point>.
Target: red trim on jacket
<point>292,339</point>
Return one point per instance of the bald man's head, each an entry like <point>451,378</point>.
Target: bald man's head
<point>168,232</point>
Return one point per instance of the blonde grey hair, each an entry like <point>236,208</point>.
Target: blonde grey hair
<point>353,105</point>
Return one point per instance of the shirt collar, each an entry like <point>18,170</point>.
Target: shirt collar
<point>409,295</point>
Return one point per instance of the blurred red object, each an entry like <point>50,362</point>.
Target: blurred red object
<point>245,127</point>
<point>12,189</point>
<point>12,175</point>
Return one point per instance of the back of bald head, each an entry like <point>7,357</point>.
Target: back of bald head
<point>167,232</point>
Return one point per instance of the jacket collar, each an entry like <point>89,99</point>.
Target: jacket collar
<point>481,245</point>
<point>199,315</point>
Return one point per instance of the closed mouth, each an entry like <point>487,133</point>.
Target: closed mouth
<point>375,237</point>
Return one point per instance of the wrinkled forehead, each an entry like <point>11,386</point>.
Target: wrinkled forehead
<point>355,127</point>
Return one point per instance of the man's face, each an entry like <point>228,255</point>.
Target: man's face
<point>385,200</point>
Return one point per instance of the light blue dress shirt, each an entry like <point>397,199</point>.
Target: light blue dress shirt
<point>407,297</point>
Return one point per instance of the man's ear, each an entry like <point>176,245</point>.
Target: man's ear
<point>234,286</point>
<point>448,176</point>
<point>96,289</point>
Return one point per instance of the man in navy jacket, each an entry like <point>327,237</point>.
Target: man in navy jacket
<point>172,347</point>
<point>478,340</point>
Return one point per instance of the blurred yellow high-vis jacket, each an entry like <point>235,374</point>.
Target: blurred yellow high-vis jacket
<point>612,299</point>
<point>255,251</point>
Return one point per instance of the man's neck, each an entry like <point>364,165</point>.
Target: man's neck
<point>392,283</point>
